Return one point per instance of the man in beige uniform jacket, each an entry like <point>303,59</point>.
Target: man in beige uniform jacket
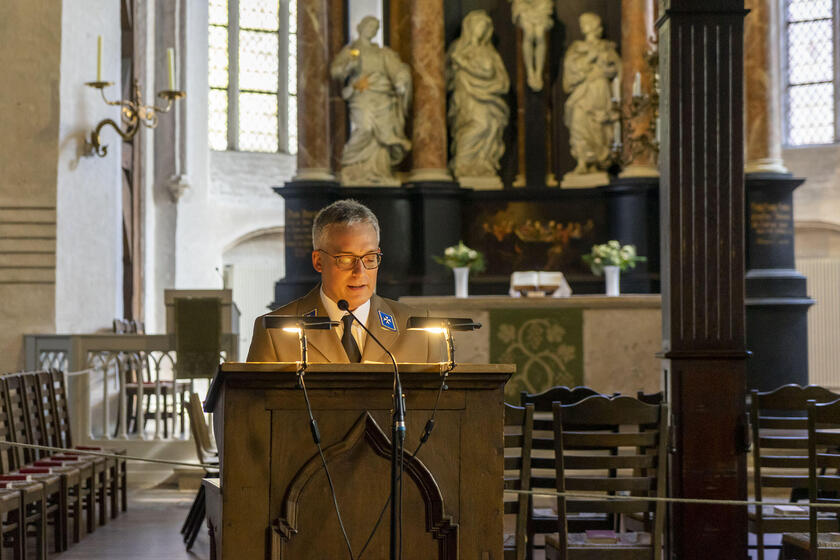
<point>345,235</point>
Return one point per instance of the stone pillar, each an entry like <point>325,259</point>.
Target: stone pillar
<point>637,132</point>
<point>761,89</point>
<point>313,157</point>
<point>429,107</point>
<point>703,309</point>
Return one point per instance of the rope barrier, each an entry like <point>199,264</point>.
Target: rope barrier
<point>109,455</point>
<point>697,501</point>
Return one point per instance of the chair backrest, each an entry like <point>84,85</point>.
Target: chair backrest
<point>199,430</point>
<point>651,398</point>
<point>606,446</point>
<point>62,411</point>
<point>8,455</point>
<point>778,420</point>
<point>35,409</point>
<point>17,418</point>
<point>543,439</point>
<point>45,392</point>
<point>823,463</point>
<point>518,436</point>
<point>566,395</point>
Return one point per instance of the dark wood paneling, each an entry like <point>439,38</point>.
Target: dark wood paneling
<point>702,217</point>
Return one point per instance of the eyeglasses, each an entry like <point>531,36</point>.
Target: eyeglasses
<point>348,262</point>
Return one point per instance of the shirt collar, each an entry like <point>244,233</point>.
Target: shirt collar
<point>336,314</point>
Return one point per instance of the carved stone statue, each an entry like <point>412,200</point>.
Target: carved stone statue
<point>588,68</point>
<point>377,88</point>
<point>534,18</point>
<point>478,113</point>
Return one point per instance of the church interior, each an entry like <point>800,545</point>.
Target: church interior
<point>624,216</point>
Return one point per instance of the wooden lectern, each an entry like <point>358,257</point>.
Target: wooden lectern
<point>273,501</point>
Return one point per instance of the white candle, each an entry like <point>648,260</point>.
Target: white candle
<point>617,131</point>
<point>616,87</point>
<point>99,58</point>
<point>637,85</point>
<point>170,56</point>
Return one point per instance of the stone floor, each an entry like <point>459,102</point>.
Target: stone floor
<point>149,530</point>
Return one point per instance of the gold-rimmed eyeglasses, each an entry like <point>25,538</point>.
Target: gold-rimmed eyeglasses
<point>348,262</point>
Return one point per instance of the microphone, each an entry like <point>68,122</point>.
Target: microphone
<point>399,408</point>
<point>397,435</point>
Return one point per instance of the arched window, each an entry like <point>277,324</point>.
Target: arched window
<point>810,71</point>
<point>252,75</point>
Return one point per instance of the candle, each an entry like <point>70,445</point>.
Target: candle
<point>616,132</point>
<point>99,58</point>
<point>170,55</point>
<point>637,85</point>
<point>616,86</point>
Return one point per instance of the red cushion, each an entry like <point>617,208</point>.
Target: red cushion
<point>11,477</point>
<point>34,470</point>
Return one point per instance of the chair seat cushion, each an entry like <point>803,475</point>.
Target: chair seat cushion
<point>582,540</point>
<point>803,541</point>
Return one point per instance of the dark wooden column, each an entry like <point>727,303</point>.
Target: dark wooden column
<point>702,218</point>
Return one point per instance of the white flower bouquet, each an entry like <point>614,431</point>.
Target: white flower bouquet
<point>612,253</point>
<point>459,256</point>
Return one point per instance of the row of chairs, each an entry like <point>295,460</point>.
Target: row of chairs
<point>42,489</point>
<point>796,456</point>
<point>578,440</point>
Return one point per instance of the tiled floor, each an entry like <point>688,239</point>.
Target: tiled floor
<point>149,530</point>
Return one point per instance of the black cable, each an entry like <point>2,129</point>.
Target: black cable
<point>427,431</point>
<point>316,437</point>
<point>399,506</point>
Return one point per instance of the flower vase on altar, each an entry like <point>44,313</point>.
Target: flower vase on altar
<point>612,276</point>
<point>610,259</point>
<point>462,281</point>
<point>461,259</point>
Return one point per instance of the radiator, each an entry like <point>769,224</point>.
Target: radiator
<point>823,320</point>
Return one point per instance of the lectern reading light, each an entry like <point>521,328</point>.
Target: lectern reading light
<point>445,326</point>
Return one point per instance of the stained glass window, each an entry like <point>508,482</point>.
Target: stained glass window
<point>252,50</point>
<point>811,40</point>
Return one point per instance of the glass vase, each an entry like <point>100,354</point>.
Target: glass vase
<point>611,275</point>
<point>462,281</point>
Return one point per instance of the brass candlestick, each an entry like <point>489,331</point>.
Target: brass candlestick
<point>132,114</point>
<point>647,140</point>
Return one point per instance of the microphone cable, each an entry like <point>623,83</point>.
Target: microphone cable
<point>316,437</point>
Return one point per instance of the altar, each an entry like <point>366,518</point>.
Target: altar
<point>607,343</point>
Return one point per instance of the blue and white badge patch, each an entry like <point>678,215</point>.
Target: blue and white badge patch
<point>311,313</point>
<point>387,321</point>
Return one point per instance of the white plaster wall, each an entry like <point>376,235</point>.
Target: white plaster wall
<point>89,190</point>
<point>818,199</point>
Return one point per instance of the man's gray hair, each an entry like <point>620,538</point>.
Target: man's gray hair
<point>342,212</point>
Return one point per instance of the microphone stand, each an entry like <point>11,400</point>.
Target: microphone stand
<point>397,435</point>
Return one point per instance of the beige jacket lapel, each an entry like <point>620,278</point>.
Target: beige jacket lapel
<point>387,336</point>
<point>325,341</point>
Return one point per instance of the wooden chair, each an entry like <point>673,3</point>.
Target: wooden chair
<point>778,420</point>
<point>823,487</point>
<point>117,474</point>
<point>206,453</point>
<point>519,423</point>
<point>32,501</point>
<point>11,529</point>
<point>587,434</point>
<point>55,485</point>
<point>542,519</point>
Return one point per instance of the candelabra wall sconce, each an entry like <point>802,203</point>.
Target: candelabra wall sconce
<point>642,139</point>
<point>132,114</point>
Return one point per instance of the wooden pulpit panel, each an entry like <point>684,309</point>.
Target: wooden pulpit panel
<point>275,501</point>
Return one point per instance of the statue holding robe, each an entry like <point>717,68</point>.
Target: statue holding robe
<point>588,68</point>
<point>478,112</point>
<point>377,89</point>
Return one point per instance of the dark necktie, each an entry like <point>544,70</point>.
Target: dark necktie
<point>349,341</point>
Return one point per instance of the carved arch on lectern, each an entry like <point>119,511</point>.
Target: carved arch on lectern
<point>438,523</point>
